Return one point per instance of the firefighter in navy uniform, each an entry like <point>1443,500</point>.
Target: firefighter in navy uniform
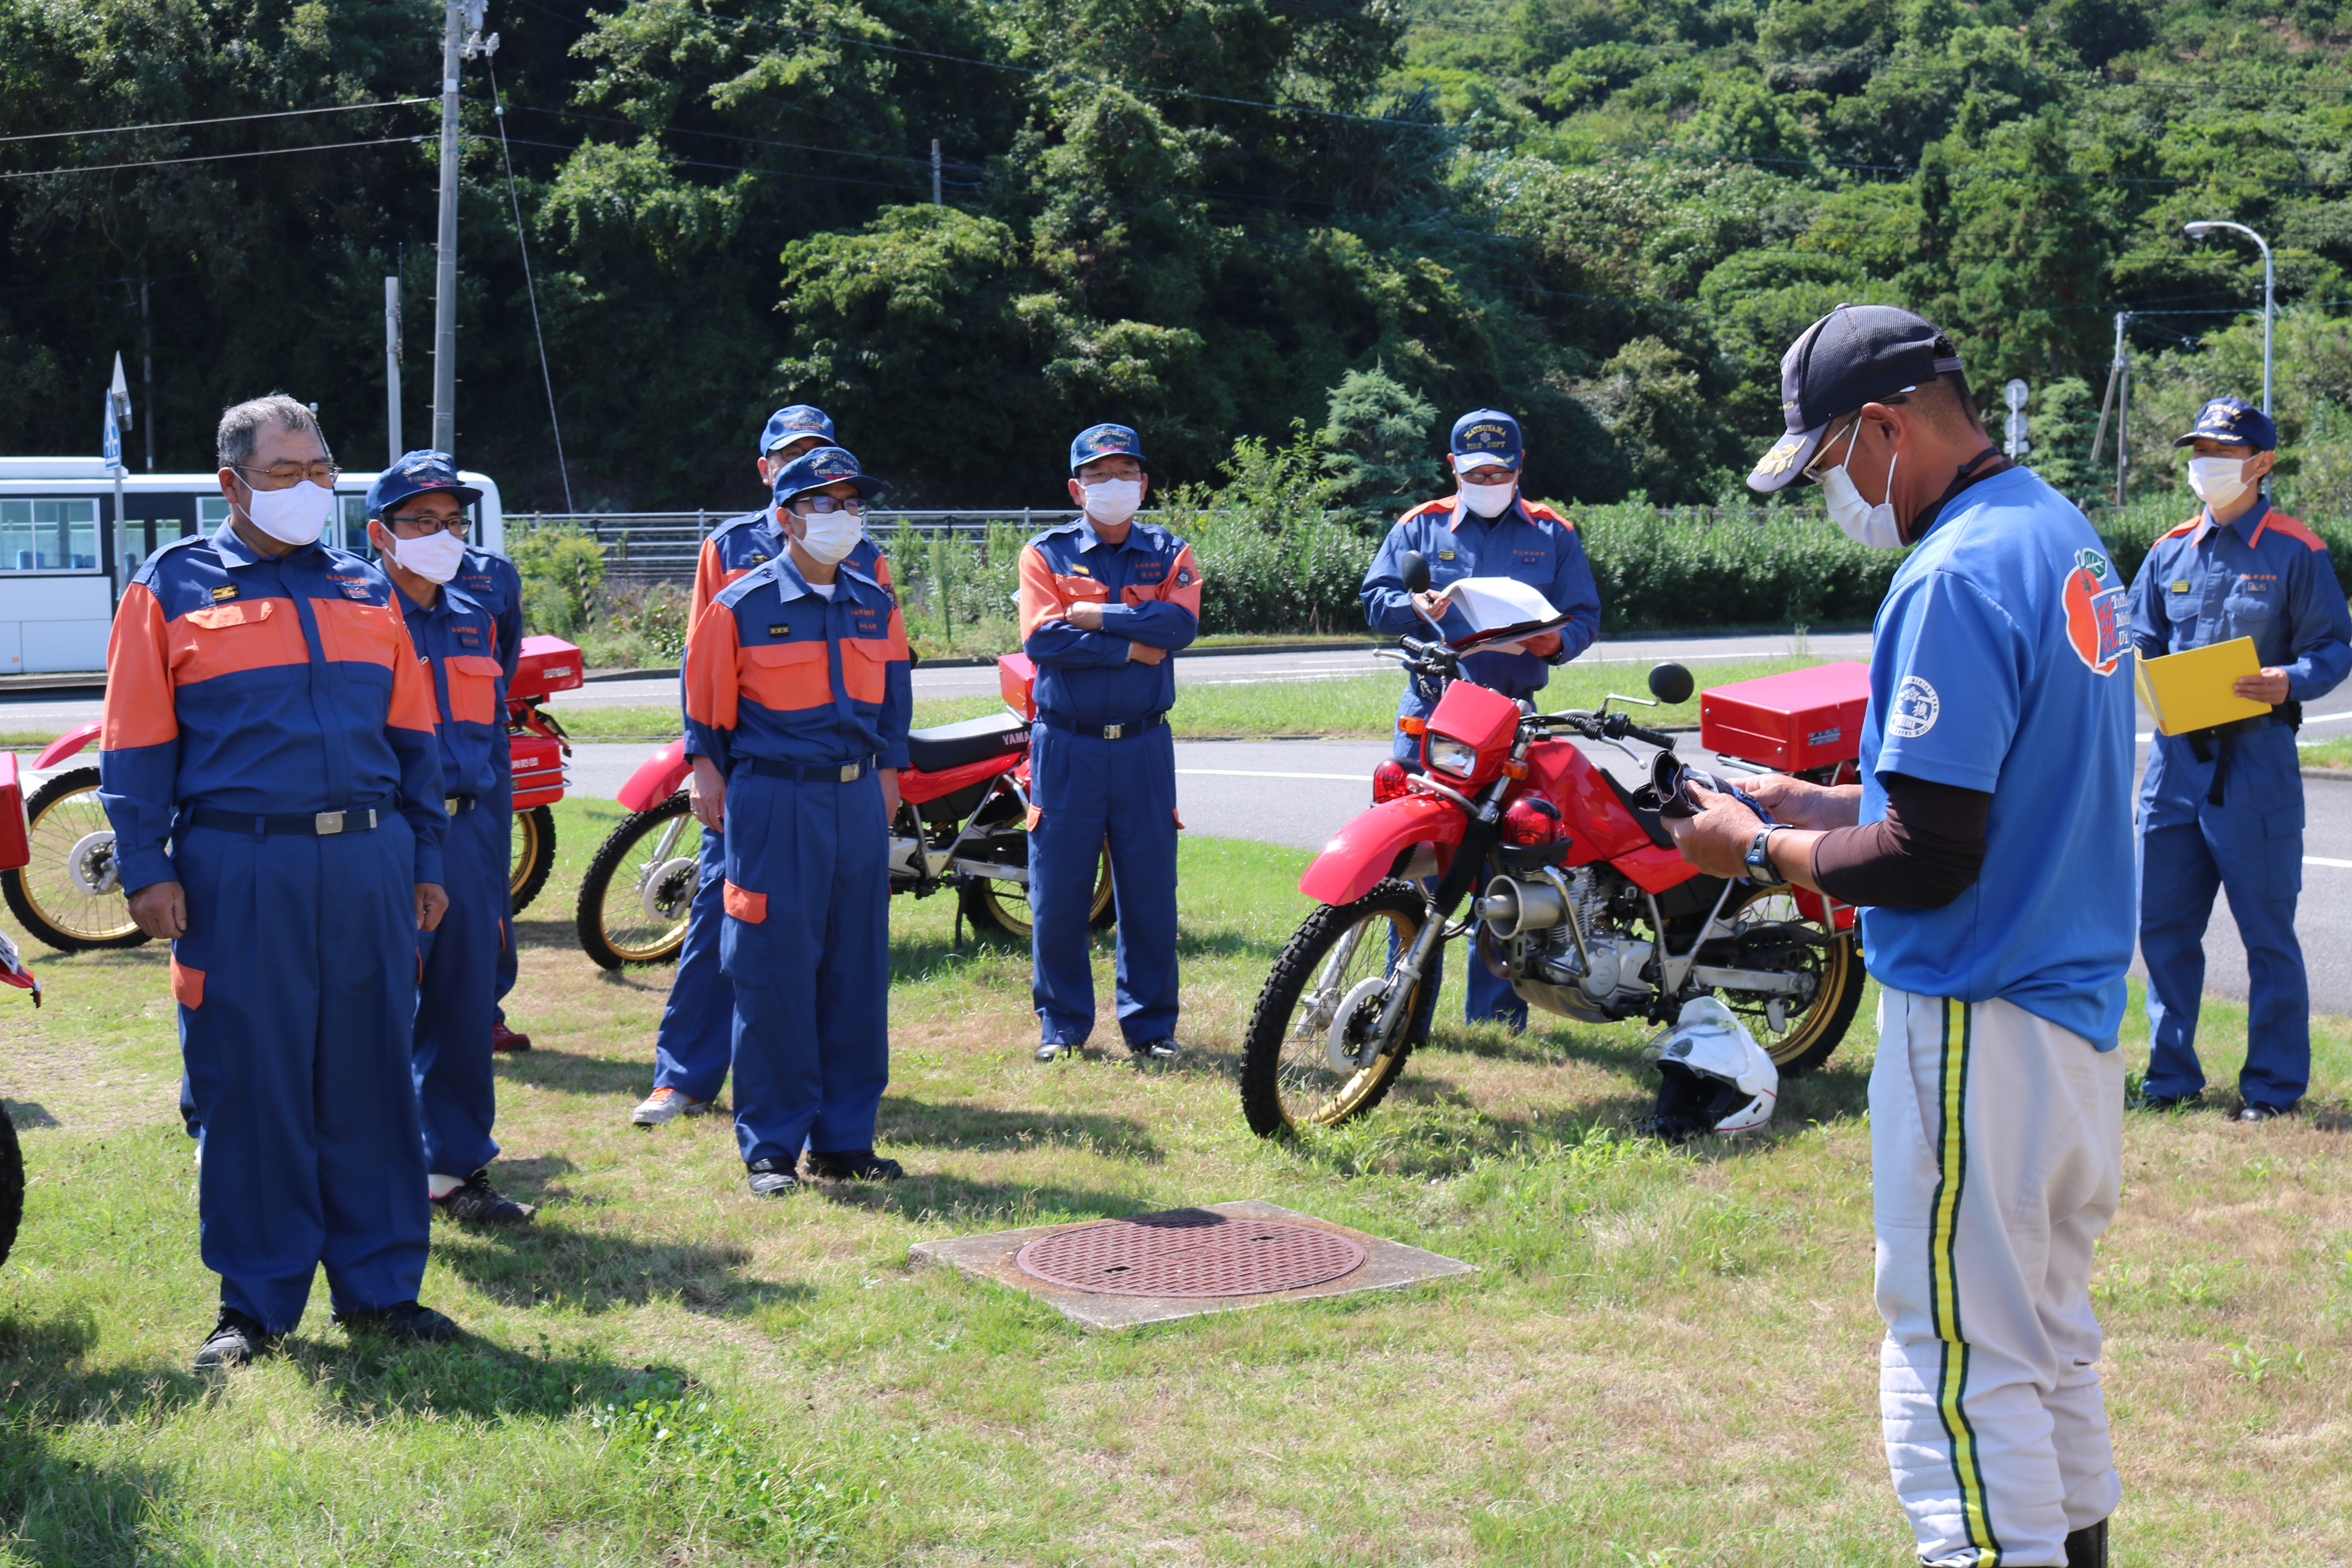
<point>1104,602</point>
<point>1487,528</point>
<point>2223,808</point>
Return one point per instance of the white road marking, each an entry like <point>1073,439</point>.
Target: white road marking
<point>2324,860</point>
<point>1254,774</point>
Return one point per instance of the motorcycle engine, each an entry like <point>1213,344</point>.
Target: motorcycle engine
<point>1563,951</point>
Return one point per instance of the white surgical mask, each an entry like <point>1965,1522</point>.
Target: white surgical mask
<point>435,557</point>
<point>829,536</point>
<point>1872,527</point>
<point>1112,501</point>
<point>295,515</point>
<point>1488,500</point>
<point>2217,481</point>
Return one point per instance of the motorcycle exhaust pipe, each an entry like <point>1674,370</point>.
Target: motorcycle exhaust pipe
<point>1514,908</point>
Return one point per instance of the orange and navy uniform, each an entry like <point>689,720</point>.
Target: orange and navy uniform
<point>1150,588</point>
<point>776,672</point>
<point>752,539</point>
<point>457,640</point>
<point>254,684</point>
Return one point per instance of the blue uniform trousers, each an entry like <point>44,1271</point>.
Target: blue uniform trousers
<point>457,1096</point>
<point>805,938</point>
<point>1485,994</point>
<point>697,1035</point>
<point>1087,790</point>
<point>2258,857</point>
<point>296,983</point>
<point>502,813</point>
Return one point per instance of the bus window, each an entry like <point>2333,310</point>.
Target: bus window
<point>49,535</point>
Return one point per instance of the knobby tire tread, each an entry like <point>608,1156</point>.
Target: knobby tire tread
<point>1294,970</point>
<point>608,858</point>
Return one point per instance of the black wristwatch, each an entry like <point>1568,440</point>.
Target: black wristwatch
<point>1759,857</point>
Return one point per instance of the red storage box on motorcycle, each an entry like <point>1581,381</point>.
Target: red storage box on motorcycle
<point>538,771</point>
<point>547,665</point>
<point>1805,719</point>
<point>1016,682</point>
<point>15,837</point>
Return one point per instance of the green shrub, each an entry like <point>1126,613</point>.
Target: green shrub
<point>562,578</point>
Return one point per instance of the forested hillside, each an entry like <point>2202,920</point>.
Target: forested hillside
<point>1198,215</point>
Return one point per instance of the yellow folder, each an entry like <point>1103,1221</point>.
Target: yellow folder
<point>2192,691</point>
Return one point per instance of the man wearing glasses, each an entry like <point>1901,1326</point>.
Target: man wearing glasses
<point>695,1040</point>
<point>270,768</point>
<point>416,521</point>
<point>797,701</point>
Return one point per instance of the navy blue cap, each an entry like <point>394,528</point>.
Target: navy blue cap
<point>799,422</point>
<point>1104,441</point>
<point>1853,355</point>
<point>1487,436</point>
<point>2235,420</point>
<point>412,475</point>
<point>815,471</point>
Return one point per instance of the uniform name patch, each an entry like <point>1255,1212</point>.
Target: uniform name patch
<point>2180,585</point>
<point>780,629</point>
<point>228,591</point>
<point>1446,556</point>
<point>1915,707</point>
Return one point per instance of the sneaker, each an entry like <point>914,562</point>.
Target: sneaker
<point>668,1105</point>
<point>2257,1111</point>
<point>853,1166</point>
<point>772,1178</point>
<point>505,1039</point>
<point>2167,1101</point>
<point>1053,1050</point>
<point>401,1320</point>
<point>478,1203</point>
<point>1160,1050</point>
<point>235,1341</point>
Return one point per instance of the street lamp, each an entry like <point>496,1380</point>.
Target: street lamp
<point>2199,230</point>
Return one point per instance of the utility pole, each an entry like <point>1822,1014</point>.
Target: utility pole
<point>445,291</point>
<point>392,369</point>
<point>935,171</point>
<point>2118,380</point>
<point>147,369</point>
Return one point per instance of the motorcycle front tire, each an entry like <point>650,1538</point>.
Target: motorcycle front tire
<point>533,854</point>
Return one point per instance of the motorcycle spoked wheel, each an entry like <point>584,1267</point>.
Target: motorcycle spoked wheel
<point>72,841</point>
<point>12,1185</point>
<point>634,894</point>
<point>999,911</point>
<point>1287,1078</point>
<point>531,854</point>
<point>1815,1033</point>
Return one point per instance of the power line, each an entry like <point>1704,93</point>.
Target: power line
<point>531,288</point>
<point>205,158</point>
<point>223,120</point>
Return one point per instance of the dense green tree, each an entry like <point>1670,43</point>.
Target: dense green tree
<point>1383,440</point>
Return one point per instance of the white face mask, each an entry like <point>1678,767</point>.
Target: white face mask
<point>830,536</point>
<point>1112,501</point>
<point>2217,481</point>
<point>1488,500</point>
<point>1872,527</point>
<point>295,515</point>
<point>435,557</point>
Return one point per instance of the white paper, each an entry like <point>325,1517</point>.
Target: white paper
<point>1489,603</point>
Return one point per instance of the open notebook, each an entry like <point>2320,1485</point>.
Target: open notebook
<point>2192,691</point>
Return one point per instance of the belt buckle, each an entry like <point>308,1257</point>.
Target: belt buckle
<point>328,822</point>
<point>849,772</point>
<point>1114,731</point>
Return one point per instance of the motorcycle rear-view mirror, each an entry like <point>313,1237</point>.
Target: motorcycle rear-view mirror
<point>1671,684</point>
<point>1414,567</point>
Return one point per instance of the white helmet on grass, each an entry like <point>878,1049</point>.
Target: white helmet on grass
<point>1714,1077</point>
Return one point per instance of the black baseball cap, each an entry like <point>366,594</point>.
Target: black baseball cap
<point>1853,355</point>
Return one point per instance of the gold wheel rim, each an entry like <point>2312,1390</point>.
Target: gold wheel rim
<point>47,879</point>
<point>1309,1091</point>
<point>1805,1029</point>
<point>632,934</point>
<point>524,852</point>
<point>1009,901</point>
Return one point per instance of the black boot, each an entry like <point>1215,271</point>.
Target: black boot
<point>2087,1547</point>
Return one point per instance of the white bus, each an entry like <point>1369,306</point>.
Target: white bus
<point>64,561</point>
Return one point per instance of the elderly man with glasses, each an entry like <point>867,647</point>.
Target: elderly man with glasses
<point>269,767</point>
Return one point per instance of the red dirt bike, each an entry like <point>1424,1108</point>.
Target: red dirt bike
<point>69,895</point>
<point>1569,881</point>
<point>961,826</point>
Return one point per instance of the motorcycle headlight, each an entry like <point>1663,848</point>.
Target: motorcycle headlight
<point>1448,755</point>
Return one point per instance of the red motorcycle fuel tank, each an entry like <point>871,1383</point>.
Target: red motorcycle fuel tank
<point>1602,826</point>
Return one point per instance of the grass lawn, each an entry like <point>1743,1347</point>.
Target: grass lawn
<point>2333,752</point>
<point>1665,1358</point>
<point>1350,705</point>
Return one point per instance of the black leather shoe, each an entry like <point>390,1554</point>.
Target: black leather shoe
<point>853,1166</point>
<point>772,1178</point>
<point>235,1341</point>
<point>402,1321</point>
<point>1160,1050</point>
<point>2167,1101</point>
<point>2087,1547</point>
<point>478,1203</point>
<point>2256,1111</point>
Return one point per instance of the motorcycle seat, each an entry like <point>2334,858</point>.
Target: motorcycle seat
<point>945,746</point>
<point>1645,814</point>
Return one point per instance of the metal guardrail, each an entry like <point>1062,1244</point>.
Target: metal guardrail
<point>648,547</point>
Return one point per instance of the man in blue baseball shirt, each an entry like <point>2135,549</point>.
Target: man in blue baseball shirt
<point>2223,808</point>
<point>1989,844</point>
<point>1485,529</point>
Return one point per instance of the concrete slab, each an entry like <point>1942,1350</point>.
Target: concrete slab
<point>1387,1266</point>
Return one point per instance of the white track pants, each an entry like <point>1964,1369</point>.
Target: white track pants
<point>1996,1144</point>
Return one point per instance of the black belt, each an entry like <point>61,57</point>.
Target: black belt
<point>2205,744</point>
<point>360,819</point>
<point>812,772</point>
<point>1105,731</point>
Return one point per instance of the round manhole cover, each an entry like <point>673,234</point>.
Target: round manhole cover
<point>1190,1252</point>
